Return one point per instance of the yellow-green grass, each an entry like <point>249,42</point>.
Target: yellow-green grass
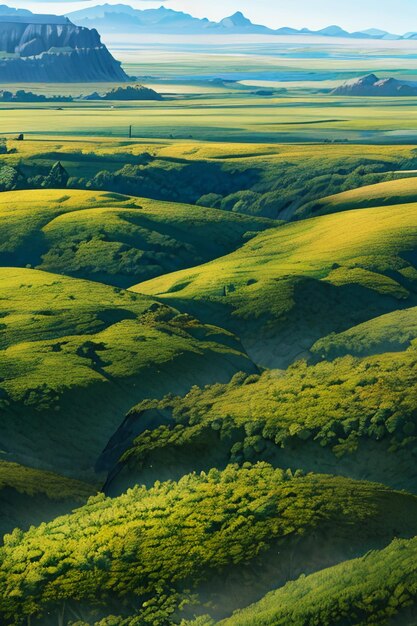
<point>36,145</point>
<point>292,285</point>
<point>217,538</point>
<point>238,119</point>
<point>75,355</point>
<point>387,333</point>
<point>31,482</point>
<point>113,238</point>
<point>385,193</point>
<point>380,588</point>
<point>351,416</point>
<point>30,496</point>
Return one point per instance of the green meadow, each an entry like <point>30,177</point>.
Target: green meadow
<point>208,342</point>
<point>241,118</point>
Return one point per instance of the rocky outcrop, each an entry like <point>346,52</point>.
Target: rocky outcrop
<point>371,85</point>
<point>49,48</point>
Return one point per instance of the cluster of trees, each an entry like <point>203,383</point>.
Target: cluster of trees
<point>149,552</point>
<point>28,96</point>
<point>270,189</point>
<point>131,92</point>
<point>278,189</point>
<point>13,178</point>
<point>336,405</point>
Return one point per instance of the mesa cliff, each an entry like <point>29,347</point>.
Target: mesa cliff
<point>48,48</point>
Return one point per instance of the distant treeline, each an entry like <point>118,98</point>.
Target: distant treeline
<point>135,92</point>
<point>28,96</point>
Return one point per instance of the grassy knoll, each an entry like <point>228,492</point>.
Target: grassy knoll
<point>388,333</point>
<point>222,539</point>
<point>76,355</point>
<point>115,239</point>
<point>379,588</point>
<point>292,285</point>
<point>381,194</point>
<point>29,496</point>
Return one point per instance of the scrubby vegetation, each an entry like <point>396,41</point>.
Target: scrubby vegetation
<point>379,589</point>
<point>310,417</point>
<point>260,182</point>
<point>152,553</point>
<point>131,92</point>
<point>28,96</point>
<point>154,300</point>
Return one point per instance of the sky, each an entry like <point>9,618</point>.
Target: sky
<point>393,15</point>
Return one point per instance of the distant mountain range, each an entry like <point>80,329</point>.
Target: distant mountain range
<point>122,18</point>
<point>371,85</point>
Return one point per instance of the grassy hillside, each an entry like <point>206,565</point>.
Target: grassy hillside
<point>75,355</point>
<point>388,333</point>
<point>379,589</point>
<point>29,496</point>
<point>350,407</point>
<point>222,538</point>
<point>355,417</point>
<point>390,192</point>
<point>112,238</point>
<point>111,301</point>
<point>253,178</point>
<point>292,285</point>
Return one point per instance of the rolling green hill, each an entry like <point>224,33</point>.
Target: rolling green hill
<point>379,589</point>
<point>112,238</point>
<point>386,193</point>
<point>292,285</point>
<point>76,355</point>
<point>270,456</point>
<point>351,416</point>
<point>392,332</point>
<point>29,496</point>
<point>219,538</point>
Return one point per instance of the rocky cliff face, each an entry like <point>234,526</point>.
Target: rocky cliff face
<point>52,49</point>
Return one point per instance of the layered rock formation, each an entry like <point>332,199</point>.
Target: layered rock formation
<point>49,48</point>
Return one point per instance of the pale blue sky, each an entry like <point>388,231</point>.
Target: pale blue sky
<point>394,15</point>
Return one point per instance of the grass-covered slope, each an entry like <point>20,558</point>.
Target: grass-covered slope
<point>219,538</point>
<point>75,355</point>
<point>377,589</point>
<point>292,285</point>
<point>112,238</point>
<point>29,496</point>
<point>388,333</point>
<point>355,417</point>
<point>386,193</point>
<point>271,180</point>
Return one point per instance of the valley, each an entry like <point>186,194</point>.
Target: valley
<point>208,334</point>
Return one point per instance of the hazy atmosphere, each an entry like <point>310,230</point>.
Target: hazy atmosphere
<point>399,16</point>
